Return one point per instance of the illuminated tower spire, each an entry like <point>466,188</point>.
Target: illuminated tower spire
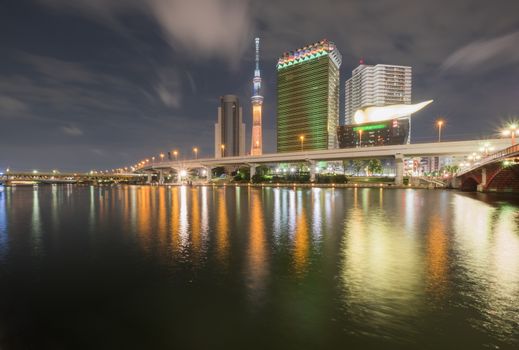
<point>257,102</point>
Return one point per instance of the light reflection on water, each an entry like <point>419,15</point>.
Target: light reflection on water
<point>319,267</point>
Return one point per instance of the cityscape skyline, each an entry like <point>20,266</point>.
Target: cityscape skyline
<point>82,110</point>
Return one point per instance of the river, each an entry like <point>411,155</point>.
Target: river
<point>257,268</point>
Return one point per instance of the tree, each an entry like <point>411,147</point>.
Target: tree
<point>357,166</point>
<point>218,171</point>
<point>451,169</point>
<point>375,166</point>
<point>244,173</point>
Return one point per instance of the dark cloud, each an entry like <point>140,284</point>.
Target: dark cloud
<point>202,28</point>
<point>72,130</point>
<point>485,54</point>
<point>10,105</point>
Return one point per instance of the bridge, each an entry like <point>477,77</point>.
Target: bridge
<point>32,178</point>
<point>396,152</point>
<point>499,172</point>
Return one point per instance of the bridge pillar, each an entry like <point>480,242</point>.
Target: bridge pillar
<point>161,177</point>
<point>252,171</point>
<point>148,180</point>
<point>399,171</point>
<point>208,173</point>
<point>456,182</point>
<point>482,186</point>
<point>312,170</point>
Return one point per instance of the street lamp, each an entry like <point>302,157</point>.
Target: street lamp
<point>440,123</point>
<point>360,137</point>
<point>195,151</point>
<point>175,153</point>
<point>302,139</point>
<point>511,131</point>
<point>222,146</point>
<point>486,148</point>
<point>162,157</point>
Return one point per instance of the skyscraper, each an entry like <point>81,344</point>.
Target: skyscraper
<point>257,102</point>
<point>308,98</point>
<point>229,131</point>
<point>380,85</point>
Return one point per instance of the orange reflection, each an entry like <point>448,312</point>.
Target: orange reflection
<point>195,224</point>
<point>161,220</point>
<point>222,228</point>
<point>436,256</point>
<point>175,220</point>
<point>257,249</point>
<point>143,215</point>
<point>301,242</point>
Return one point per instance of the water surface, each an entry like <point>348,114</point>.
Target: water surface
<point>257,268</point>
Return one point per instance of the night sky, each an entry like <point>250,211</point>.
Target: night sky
<point>98,84</point>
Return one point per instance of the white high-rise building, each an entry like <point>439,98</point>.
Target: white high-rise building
<point>379,85</point>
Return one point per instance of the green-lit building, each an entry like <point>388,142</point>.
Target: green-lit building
<point>308,98</point>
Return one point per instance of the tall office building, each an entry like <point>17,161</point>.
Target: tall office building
<point>257,102</point>
<point>380,85</point>
<point>229,131</point>
<point>308,98</point>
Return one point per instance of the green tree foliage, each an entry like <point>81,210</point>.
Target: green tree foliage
<point>218,171</point>
<point>357,165</point>
<point>375,166</point>
<point>451,169</point>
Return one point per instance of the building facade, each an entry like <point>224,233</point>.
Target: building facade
<point>229,131</point>
<point>379,85</point>
<point>257,107</point>
<point>383,133</point>
<point>308,98</point>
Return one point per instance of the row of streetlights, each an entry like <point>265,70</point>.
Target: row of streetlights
<point>161,157</point>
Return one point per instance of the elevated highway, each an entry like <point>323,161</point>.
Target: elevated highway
<point>397,152</point>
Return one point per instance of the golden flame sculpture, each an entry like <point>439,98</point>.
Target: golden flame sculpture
<point>377,114</point>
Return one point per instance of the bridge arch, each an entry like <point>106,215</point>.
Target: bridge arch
<point>504,178</point>
<point>469,184</point>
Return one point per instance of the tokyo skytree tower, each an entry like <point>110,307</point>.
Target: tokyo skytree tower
<point>257,102</point>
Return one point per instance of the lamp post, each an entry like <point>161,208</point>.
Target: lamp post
<point>360,137</point>
<point>511,131</point>
<point>302,139</point>
<point>486,149</point>
<point>439,123</point>
<point>222,146</point>
<point>195,151</point>
<point>175,153</point>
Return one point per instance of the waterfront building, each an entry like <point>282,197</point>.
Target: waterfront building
<point>308,98</point>
<point>257,105</point>
<point>229,131</point>
<point>379,126</point>
<point>377,86</point>
<point>383,133</point>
